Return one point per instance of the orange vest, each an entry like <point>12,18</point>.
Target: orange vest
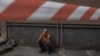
<point>44,42</point>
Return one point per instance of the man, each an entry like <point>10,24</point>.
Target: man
<point>44,41</point>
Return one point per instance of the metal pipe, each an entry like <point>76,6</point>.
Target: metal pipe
<point>61,33</point>
<point>58,33</point>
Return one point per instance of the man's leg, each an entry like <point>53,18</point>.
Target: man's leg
<point>49,48</point>
<point>41,47</point>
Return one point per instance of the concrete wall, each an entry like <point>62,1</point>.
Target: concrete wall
<point>74,36</point>
<point>81,38</point>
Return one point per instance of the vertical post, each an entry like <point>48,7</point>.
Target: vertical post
<point>61,49</point>
<point>57,33</point>
<point>61,33</point>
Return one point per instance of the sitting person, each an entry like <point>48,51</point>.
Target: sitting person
<point>44,41</point>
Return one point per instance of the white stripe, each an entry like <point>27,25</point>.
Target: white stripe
<point>96,15</point>
<point>78,13</point>
<point>4,4</point>
<point>46,11</point>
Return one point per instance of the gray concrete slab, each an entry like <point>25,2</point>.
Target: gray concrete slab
<point>30,51</point>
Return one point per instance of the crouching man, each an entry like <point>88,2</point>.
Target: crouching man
<point>44,41</point>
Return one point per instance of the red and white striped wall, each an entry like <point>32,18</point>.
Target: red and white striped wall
<point>28,10</point>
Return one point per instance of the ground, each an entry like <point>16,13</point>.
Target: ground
<point>26,51</point>
<point>33,51</point>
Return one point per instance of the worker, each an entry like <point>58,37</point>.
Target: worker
<point>44,41</point>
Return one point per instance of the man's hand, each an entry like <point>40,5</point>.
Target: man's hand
<point>44,39</point>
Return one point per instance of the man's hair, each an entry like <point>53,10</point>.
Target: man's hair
<point>45,30</point>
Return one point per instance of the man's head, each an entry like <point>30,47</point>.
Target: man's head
<point>45,31</point>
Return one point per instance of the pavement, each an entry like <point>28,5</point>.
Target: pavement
<point>26,51</point>
<point>33,51</point>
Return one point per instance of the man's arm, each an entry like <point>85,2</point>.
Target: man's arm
<point>48,39</point>
<point>39,37</point>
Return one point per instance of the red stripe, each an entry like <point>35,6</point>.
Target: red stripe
<point>65,12</point>
<point>21,9</point>
<point>88,14</point>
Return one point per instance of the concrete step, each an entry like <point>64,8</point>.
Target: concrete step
<point>8,45</point>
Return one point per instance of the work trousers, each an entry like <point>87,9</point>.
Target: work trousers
<point>45,48</point>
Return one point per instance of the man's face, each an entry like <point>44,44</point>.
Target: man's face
<point>45,31</point>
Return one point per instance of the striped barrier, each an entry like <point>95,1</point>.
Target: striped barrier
<point>29,10</point>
